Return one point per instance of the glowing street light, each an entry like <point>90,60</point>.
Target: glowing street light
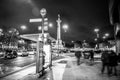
<point>50,25</point>
<point>39,28</point>
<point>95,39</point>
<point>65,27</point>
<point>23,27</point>
<point>96,30</point>
<point>1,31</point>
<point>104,37</point>
<point>107,34</point>
<point>10,31</point>
<point>72,41</point>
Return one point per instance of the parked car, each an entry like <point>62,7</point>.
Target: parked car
<point>10,54</point>
<point>31,52</point>
<point>23,53</point>
<point>2,54</point>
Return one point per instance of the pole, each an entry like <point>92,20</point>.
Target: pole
<point>42,43</point>
<point>97,40</point>
<point>38,55</point>
<point>58,47</point>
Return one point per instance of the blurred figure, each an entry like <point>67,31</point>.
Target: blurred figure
<point>78,55</point>
<point>91,56</point>
<point>113,62</point>
<point>44,54</point>
<point>105,62</point>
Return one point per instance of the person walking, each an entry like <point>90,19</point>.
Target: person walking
<point>113,63</point>
<point>91,56</point>
<point>105,62</point>
<point>78,55</point>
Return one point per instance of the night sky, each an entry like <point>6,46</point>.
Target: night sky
<point>82,16</point>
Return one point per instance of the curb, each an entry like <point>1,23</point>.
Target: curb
<point>17,70</point>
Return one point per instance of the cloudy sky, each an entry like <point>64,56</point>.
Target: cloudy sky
<point>82,16</point>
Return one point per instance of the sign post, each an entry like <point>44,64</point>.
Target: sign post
<point>39,62</point>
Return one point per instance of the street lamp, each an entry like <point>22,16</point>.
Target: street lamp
<point>50,25</point>
<point>39,28</point>
<point>65,27</point>
<point>95,39</point>
<point>106,34</point>
<point>1,31</point>
<point>23,27</point>
<point>96,31</point>
<point>104,37</point>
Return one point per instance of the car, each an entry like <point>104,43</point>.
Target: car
<point>10,54</point>
<point>31,52</point>
<point>23,53</point>
<point>2,54</point>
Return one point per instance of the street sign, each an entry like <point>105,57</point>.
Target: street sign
<point>37,20</point>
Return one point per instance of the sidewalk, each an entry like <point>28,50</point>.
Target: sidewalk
<point>67,69</point>
<point>86,71</point>
<point>55,73</point>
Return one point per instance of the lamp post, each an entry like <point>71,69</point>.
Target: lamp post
<point>97,39</point>
<point>1,31</point>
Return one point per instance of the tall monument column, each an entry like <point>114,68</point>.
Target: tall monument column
<point>59,28</point>
<point>59,41</point>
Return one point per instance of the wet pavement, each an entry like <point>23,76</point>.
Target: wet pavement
<point>67,69</point>
<point>8,66</point>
